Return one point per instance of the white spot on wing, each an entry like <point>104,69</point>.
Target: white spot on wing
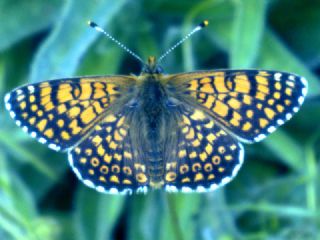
<point>88,183</point>
<point>42,140</point>
<point>7,97</point>
<point>25,129</point>
<point>170,188</point>
<point>288,116</point>
<point>291,77</point>
<point>33,134</point>
<point>213,187</point>
<point>304,91</point>
<point>12,114</point>
<point>271,129</point>
<point>201,189</point>
<point>31,89</point>
<point>277,76</point>
<point>100,189</point>
<point>280,121</point>
<point>300,100</point>
<point>259,137</point>
<point>225,180</point>
<point>113,191</point>
<point>54,147</point>
<point>304,81</point>
<point>8,106</point>
<point>186,189</point>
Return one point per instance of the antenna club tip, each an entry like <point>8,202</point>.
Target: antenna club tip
<point>92,24</point>
<point>203,24</point>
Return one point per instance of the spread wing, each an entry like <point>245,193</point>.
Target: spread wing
<point>109,159</point>
<point>197,155</point>
<point>61,112</point>
<point>204,156</point>
<point>248,104</point>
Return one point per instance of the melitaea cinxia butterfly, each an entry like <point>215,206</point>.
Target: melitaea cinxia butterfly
<point>179,132</point>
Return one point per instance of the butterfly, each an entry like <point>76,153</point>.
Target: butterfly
<point>179,132</point>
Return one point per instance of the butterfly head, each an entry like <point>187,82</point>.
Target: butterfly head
<point>152,67</point>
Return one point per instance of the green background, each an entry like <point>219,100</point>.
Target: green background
<point>276,193</point>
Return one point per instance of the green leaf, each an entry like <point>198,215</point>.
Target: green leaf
<point>195,12</point>
<point>303,33</point>
<point>248,28</point>
<point>216,220</point>
<point>96,214</point>
<point>286,149</point>
<point>18,214</point>
<point>101,60</point>
<point>9,141</point>
<point>21,18</point>
<point>60,55</point>
<point>182,210</point>
<point>274,55</point>
<point>142,223</point>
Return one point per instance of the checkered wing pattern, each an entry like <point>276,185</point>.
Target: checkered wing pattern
<point>249,104</point>
<point>60,112</point>
<point>108,159</point>
<point>205,158</point>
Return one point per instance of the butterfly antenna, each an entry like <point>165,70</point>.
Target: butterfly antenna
<point>99,29</point>
<point>193,31</point>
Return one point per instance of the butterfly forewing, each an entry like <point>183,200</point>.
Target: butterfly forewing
<point>249,104</point>
<point>61,112</point>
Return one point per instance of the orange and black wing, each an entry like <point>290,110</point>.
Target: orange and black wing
<point>61,112</point>
<point>204,156</point>
<point>249,104</point>
<point>108,160</point>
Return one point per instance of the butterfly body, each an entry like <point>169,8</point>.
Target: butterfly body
<point>180,132</point>
<point>147,120</point>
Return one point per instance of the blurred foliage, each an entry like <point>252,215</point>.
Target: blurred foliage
<point>275,195</point>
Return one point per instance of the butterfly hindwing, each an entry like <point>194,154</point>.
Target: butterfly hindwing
<point>205,156</point>
<point>250,104</point>
<point>60,112</point>
<point>107,160</point>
